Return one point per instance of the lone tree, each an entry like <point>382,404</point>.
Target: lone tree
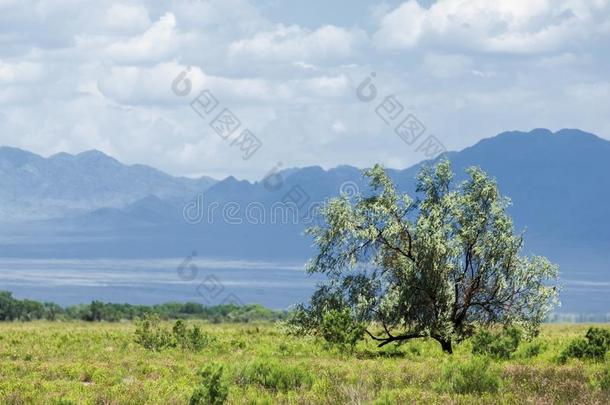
<point>439,267</point>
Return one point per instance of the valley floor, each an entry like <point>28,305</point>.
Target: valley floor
<point>77,362</point>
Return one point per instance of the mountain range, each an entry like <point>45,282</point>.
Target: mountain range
<point>33,187</point>
<point>90,205</point>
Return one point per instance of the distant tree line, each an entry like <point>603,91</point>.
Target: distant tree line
<point>578,318</point>
<point>12,309</point>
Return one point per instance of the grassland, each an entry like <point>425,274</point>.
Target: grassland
<point>100,363</point>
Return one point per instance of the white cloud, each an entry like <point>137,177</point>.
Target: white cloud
<point>304,65</point>
<point>20,72</point>
<point>323,86</point>
<point>157,42</point>
<point>516,26</point>
<point>339,127</point>
<point>225,17</point>
<point>447,65</point>
<point>589,92</point>
<point>140,85</point>
<point>126,18</point>
<point>402,27</point>
<point>290,43</point>
<point>85,74</point>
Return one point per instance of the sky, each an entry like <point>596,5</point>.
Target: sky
<point>240,87</point>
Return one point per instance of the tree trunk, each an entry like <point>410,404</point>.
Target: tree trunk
<point>446,346</point>
<point>445,343</point>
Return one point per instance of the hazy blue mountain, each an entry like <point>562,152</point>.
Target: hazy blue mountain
<point>559,182</point>
<point>559,185</point>
<point>34,187</point>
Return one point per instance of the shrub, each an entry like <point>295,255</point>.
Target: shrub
<point>212,389</point>
<point>593,346</point>
<point>190,339</point>
<point>275,376</point>
<point>339,328</point>
<point>475,376</point>
<point>533,349</point>
<point>500,345</point>
<point>151,335</point>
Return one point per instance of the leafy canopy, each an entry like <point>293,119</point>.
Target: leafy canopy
<point>434,267</point>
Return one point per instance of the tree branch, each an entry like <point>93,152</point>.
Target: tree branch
<point>390,339</point>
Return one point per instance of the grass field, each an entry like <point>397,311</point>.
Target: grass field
<point>100,363</point>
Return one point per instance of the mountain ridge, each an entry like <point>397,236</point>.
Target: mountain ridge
<point>33,187</point>
<point>558,183</point>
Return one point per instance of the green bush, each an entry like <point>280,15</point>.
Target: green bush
<point>275,376</point>
<point>339,328</point>
<point>471,377</point>
<point>593,346</point>
<point>190,339</point>
<point>212,389</point>
<point>500,345</point>
<point>151,335</point>
<point>533,349</point>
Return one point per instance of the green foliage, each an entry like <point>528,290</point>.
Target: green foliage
<point>190,339</point>
<point>436,266</point>
<point>339,328</point>
<point>593,346</point>
<point>475,376</point>
<point>276,376</point>
<point>98,363</point>
<point>499,345</point>
<point>604,381</point>
<point>533,349</point>
<point>307,320</point>
<point>95,312</point>
<point>152,336</point>
<point>12,309</point>
<point>212,389</point>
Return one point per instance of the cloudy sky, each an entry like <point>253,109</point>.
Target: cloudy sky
<point>78,75</point>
